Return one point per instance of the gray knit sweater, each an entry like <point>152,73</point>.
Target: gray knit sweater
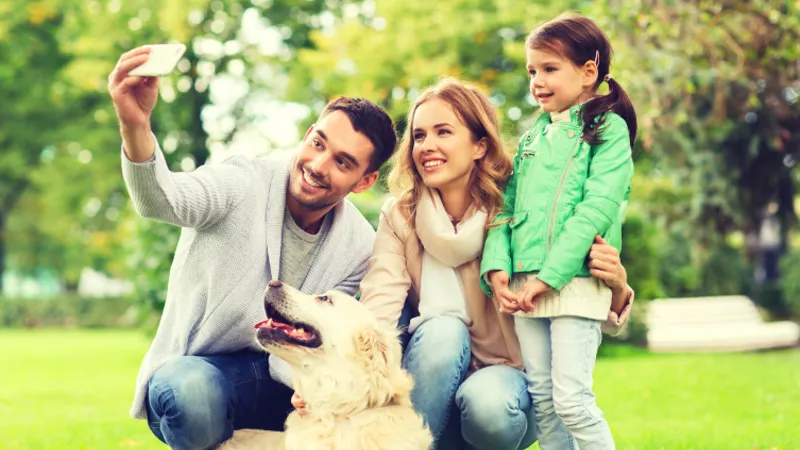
<point>231,214</point>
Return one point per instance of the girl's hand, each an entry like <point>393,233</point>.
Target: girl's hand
<point>532,289</point>
<point>604,263</point>
<point>299,404</point>
<point>508,301</point>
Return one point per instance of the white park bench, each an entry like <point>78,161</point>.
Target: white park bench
<point>726,323</point>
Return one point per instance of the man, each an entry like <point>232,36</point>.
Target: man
<point>244,222</point>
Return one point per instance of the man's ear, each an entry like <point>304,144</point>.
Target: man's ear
<point>589,74</point>
<point>366,182</point>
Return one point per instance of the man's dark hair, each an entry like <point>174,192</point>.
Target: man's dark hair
<point>371,120</point>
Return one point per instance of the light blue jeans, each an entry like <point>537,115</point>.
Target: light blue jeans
<point>559,355</point>
<point>493,404</point>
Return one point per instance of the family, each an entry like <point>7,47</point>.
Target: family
<point>502,271</point>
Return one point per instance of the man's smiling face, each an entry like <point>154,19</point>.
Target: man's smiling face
<point>333,160</point>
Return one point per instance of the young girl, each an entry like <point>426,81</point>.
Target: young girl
<point>571,182</point>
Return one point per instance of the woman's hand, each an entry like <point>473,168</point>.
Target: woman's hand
<point>604,263</point>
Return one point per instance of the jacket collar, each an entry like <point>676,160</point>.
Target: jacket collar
<point>570,116</point>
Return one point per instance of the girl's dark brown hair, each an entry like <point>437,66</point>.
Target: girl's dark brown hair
<point>579,40</point>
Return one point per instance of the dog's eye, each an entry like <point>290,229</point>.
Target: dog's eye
<point>323,298</point>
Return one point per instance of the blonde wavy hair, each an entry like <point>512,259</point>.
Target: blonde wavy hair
<point>490,174</point>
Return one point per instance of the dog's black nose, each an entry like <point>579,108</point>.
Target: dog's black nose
<point>275,283</point>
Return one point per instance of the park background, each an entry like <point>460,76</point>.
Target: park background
<point>713,212</point>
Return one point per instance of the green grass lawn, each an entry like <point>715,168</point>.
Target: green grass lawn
<point>72,390</point>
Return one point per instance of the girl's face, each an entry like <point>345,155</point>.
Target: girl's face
<point>444,149</point>
<point>556,83</point>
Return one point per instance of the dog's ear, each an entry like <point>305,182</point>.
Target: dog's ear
<point>371,346</point>
<point>381,354</point>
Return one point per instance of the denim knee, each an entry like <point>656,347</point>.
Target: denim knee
<point>191,404</point>
<point>496,410</point>
<point>439,344</point>
<point>574,411</point>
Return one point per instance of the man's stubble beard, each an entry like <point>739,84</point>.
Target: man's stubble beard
<point>320,204</point>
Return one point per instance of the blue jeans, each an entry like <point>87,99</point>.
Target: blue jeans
<point>195,402</point>
<point>559,355</point>
<point>492,407</point>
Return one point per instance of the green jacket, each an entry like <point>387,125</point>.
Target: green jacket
<point>562,192</point>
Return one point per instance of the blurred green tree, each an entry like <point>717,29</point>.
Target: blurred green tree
<point>62,197</point>
<point>33,96</point>
<point>718,89</point>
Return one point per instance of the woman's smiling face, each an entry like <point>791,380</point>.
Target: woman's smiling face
<point>444,150</point>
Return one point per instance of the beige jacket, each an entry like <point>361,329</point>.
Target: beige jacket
<point>394,275</point>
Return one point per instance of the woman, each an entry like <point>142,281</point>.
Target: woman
<point>463,354</point>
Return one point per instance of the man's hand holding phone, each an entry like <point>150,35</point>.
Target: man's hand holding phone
<point>133,85</point>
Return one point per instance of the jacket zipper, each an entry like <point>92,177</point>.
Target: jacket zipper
<point>558,194</point>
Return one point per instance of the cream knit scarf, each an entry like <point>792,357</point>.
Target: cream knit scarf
<point>446,247</point>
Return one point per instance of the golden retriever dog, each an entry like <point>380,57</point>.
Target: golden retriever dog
<point>346,369</point>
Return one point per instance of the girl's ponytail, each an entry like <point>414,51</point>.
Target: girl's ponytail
<point>617,101</point>
<point>580,40</point>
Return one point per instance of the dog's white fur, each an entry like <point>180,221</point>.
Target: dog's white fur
<point>356,393</point>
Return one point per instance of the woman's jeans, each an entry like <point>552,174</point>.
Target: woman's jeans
<point>559,355</point>
<point>492,407</point>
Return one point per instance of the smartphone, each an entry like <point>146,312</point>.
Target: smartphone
<point>162,60</point>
